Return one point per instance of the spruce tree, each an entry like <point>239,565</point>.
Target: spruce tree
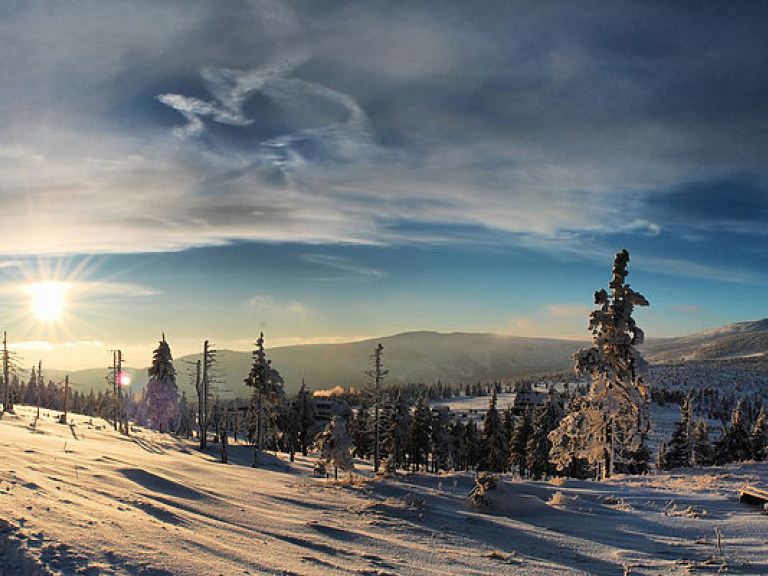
<point>518,444</point>
<point>735,444</point>
<point>361,432</point>
<point>759,439</point>
<point>305,406</point>
<point>702,445</point>
<point>680,450</point>
<point>397,430</point>
<point>494,444</point>
<point>162,394</point>
<point>267,385</point>
<point>545,420</point>
<point>335,446</point>
<point>421,434</point>
<point>443,447</point>
<point>611,421</point>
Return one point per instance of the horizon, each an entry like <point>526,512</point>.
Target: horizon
<point>329,175</point>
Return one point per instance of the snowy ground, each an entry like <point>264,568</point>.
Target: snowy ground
<point>80,499</point>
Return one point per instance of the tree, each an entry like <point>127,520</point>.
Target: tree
<point>680,450</point>
<point>361,432</point>
<point>378,374</point>
<point>494,444</point>
<point>421,434</point>
<point>305,406</point>
<point>735,444</point>
<point>162,393</point>
<point>759,438</point>
<point>443,448</point>
<point>702,445</point>
<point>518,444</point>
<point>397,430</point>
<point>335,446</point>
<point>545,419</point>
<point>186,421</point>
<point>267,387</point>
<point>611,421</point>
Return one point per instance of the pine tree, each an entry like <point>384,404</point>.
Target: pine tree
<point>305,406</point>
<point>735,444</point>
<point>443,447</point>
<point>759,439</point>
<point>267,387</point>
<point>397,430</point>
<point>335,446</point>
<point>162,393</point>
<point>186,421</point>
<point>545,420</point>
<point>421,434</point>
<point>494,444</point>
<point>680,450</point>
<point>362,433</point>
<point>518,444</point>
<point>704,451</point>
<point>612,421</point>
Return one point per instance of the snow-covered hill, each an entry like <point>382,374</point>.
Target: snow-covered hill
<point>81,499</point>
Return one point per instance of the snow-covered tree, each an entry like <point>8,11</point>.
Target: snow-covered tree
<point>545,419</point>
<point>305,406</point>
<point>702,445</point>
<point>443,449</point>
<point>421,434</point>
<point>162,393</point>
<point>518,444</point>
<point>735,444</point>
<point>186,421</point>
<point>268,391</point>
<point>362,433</point>
<point>680,450</point>
<point>494,444</point>
<point>759,438</point>
<point>335,446</point>
<point>612,421</point>
<point>397,430</point>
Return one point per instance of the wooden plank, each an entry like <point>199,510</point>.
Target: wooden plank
<point>752,495</point>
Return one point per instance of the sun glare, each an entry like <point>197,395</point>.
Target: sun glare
<point>48,300</point>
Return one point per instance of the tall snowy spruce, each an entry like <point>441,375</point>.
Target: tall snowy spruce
<point>162,394</point>
<point>335,446</point>
<point>608,426</point>
<point>267,385</point>
<point>494,444</point>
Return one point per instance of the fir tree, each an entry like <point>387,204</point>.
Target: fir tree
<point>702,445</point>
<point>612,420</point>
<point>162,394</point>
<point>421,434</point>
<point>759,439</point>
<point>443,448</point>
<point>267,385</point>
<point>362,433</point>
<point>680,450</point>
<point>335,446</point>
<point>494,444</point>
<point>735,445</point>
<point>397,430</point>
<point>186,421</point>
<point>538,447</point>
<point>518,444</point>
<point>305,406</point>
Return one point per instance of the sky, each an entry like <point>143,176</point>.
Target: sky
<point>329,171</point>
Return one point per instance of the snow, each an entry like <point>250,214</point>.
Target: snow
<point>81,499</point>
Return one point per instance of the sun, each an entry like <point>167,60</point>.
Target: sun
<point>49,299</point>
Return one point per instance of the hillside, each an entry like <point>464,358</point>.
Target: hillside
<point>431,356</point>
<point>409,357</point>
<point>80,499</point>
<point>740,339</point>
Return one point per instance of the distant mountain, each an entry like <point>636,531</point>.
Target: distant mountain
<point>431,356</point>
<point>737,340</point>
<point>409,357</point>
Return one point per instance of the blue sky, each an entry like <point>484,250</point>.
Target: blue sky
<point>336,170</point>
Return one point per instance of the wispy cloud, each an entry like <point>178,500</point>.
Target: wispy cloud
<point>267,303</point>
<point>348,268</point>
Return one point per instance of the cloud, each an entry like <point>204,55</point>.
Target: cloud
<point>164,127</point>
<point>349,268</point>
<point>266,303</point>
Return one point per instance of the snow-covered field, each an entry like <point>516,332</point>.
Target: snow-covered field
<point>81,499</point>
